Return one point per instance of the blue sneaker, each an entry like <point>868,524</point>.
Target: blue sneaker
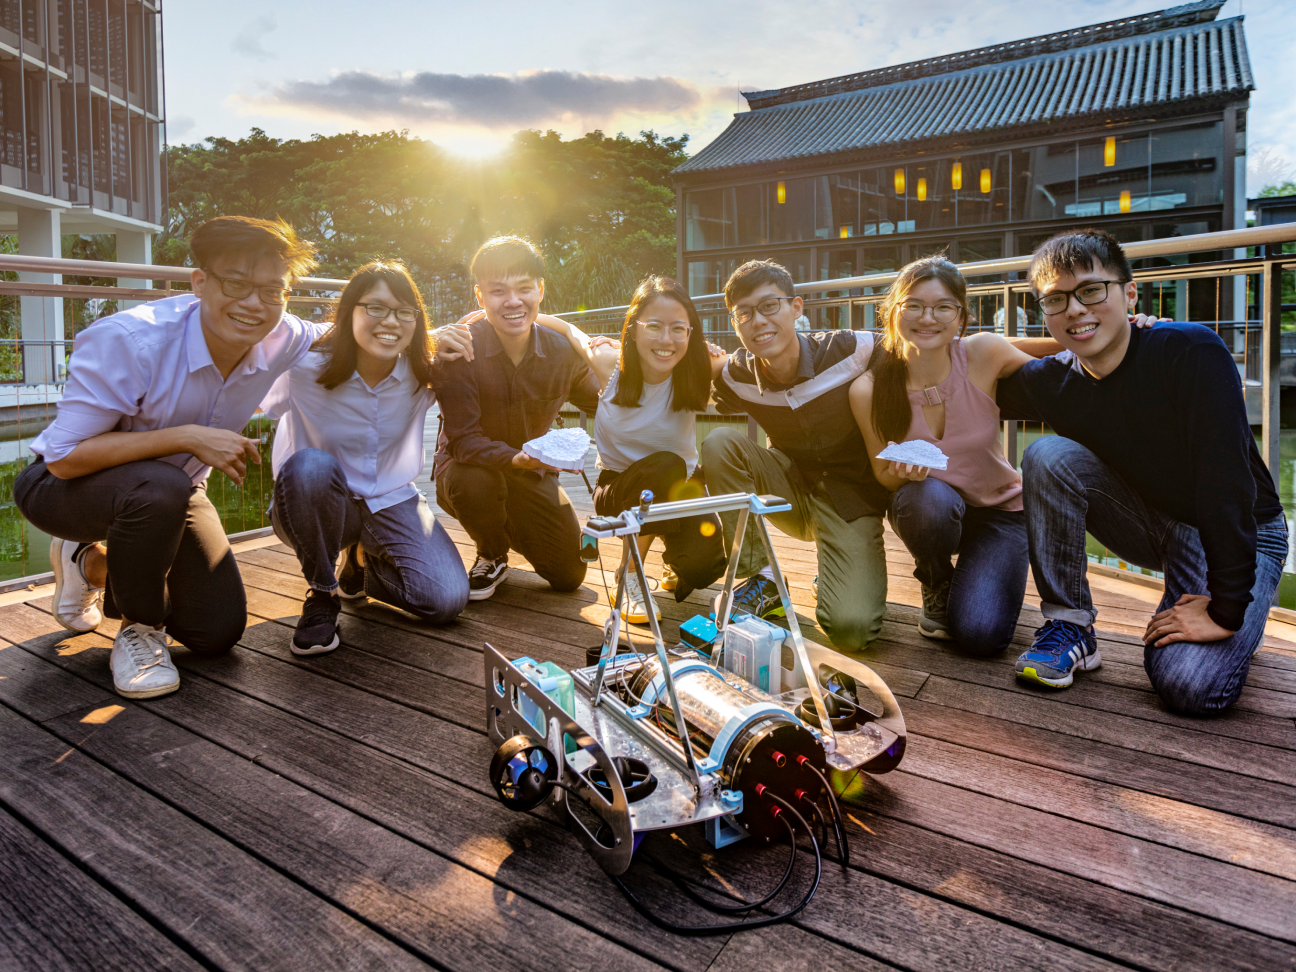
<point>757,595</point>
<point>1060,648</point>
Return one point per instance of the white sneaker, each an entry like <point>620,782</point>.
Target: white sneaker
<point>141,665</point>
<point>636,605</point>
<point>76,603</point>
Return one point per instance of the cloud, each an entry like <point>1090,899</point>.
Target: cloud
<point>177,127</point>
<point>248,41</point>
<point>492,101</point>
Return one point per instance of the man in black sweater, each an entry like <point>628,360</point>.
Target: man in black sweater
<point>1154,457</point>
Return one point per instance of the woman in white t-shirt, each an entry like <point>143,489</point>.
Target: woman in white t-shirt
<point>645,429</point>
<point>347,451</point>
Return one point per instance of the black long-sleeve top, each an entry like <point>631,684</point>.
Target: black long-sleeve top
<point>1172,421</point>
<point>489,406</point>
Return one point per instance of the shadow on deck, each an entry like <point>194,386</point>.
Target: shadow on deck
<point>334,812</point>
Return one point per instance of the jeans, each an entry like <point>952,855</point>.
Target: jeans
<point>410,561</point>
<point>989,583</point>
<point>697,557</point>
<point>1067,489</point>
<point>169,562</point>
<point>503,509</point>
<point>852,560</point>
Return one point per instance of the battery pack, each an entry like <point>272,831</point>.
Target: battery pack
<point>553,682</point>
<point>753,650</point>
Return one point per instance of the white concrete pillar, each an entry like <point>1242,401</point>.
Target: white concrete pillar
<point>42,317</point>
<point>134,247</point>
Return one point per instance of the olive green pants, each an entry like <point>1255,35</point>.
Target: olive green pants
<point>852,560</point>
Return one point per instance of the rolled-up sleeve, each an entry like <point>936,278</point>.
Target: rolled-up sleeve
<point>107,379</point>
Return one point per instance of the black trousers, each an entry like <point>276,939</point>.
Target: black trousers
<point>169,562</point>
<point>503,509</point>
<point>694,544</point>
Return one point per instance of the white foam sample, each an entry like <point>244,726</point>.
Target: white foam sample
<point>560,448</point>
<point>916,452</point>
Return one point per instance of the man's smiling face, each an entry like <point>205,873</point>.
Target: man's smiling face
<point>511,305</point>
<point>240,322</point>
<point>1090,330</point>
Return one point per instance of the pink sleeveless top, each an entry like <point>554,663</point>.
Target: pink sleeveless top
<point>977,467</point>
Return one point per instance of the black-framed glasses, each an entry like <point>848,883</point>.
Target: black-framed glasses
<point>946,312</point>
<point>1088,293</point>
<point>768,308</point>
<point>657,330</point>
<point>379,312</point>
<point>238,289</point>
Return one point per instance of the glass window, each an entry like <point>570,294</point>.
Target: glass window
<point>792,209</point>
<point>747,209</point>
<point>845,189</point>
<point>708,276</point>
<point>983,181</point>
<point>1048,181</point>
<point>1112,176</point>
<point>704,219</point>
<point>884,201</point>
<point>1185,168</point>
<point>931,196</point>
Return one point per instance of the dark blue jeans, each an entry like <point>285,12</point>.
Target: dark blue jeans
<point>987,586</point>
<point>1069,490</point>
<point>410,561</point>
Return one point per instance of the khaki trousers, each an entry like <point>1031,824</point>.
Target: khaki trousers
<point>852,560</point>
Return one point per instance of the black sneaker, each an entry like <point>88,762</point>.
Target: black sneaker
<point>350,574</point>
<point>485,576</point>
<point>757,595</point>
<point>933,620</point>
<point>317,627</point>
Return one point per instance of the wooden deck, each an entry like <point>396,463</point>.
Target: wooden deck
<point>334,812</point>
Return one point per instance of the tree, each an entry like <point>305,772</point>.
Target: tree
<point>601,208</point>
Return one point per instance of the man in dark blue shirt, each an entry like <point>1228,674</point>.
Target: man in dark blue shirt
<point>1154,457</point>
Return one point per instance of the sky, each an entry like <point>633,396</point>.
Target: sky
<point>468,75</point>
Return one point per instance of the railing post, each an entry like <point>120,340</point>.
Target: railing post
<point>1010,330</point>
<point>1271,360</point>
<point>751,428</point>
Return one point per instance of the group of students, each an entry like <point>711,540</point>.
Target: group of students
<point>1152,455</point>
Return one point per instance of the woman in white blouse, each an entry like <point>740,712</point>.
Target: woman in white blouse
<point>348,449</point>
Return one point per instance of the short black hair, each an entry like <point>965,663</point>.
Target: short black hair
<point>241,237</point>
<point>1078,251</point>
<point>753,274</point>
<point>506,257</point>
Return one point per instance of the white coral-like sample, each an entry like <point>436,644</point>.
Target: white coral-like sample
<point>560,448</point>
<point>916,452</point>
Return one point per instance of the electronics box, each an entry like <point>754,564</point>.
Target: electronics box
<point>753,650</point>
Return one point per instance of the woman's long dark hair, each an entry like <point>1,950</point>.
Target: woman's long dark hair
<point>892,412</point>
<point>339,344</point>
<point>691,378</point>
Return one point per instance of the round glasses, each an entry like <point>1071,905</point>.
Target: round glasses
<point>379,312</point>
<point>657,330</point>
<point>1093,292</point>
<point>768,308</point>
<point>944,312</point>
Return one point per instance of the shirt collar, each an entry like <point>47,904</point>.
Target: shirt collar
<point>805,368</point>
<point>398,375</point>
<point>199,355</point>
<point>491,346</point>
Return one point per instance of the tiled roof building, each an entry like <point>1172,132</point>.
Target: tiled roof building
<point>1136,124</point>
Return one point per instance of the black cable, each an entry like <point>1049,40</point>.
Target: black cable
<point>843,845</point>
<point>819,817</point>
<point>744,905</point>
<point>749,922</point>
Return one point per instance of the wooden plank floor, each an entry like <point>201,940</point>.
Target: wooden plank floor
<point>334,812</point>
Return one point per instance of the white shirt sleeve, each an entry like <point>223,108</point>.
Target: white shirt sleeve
<point>277,398</point>
<point>108,377</point>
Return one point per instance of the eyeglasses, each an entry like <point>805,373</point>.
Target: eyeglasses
<point>238,289</point>
<point>1092,292</point>
<point>944,313</point>
<point>657,330</point>
<point>768,308</point>
<point>379,312</point>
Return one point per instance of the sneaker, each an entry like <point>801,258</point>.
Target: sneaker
<point>669,579</point>
<point>350,574</point>
<point>756,595</point>
<point>1060,648</point>
<point>141,665</point>
<point>317,627</point>
<point>76,603</point>
<point>814,582</point>
<point>485,576</point>
<point>636,604</point>
<point>933,620</point>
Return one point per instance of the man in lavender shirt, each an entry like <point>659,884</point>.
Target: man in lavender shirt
<point>157,396</point>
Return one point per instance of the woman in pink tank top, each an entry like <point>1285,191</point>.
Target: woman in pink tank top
<point>926,381</point>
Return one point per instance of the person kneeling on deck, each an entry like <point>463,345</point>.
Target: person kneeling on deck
<point>156,397</point>
<point>505,389</point>
<point>1153,456</point>
<point>797,387</point>
<point>347,451</point>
